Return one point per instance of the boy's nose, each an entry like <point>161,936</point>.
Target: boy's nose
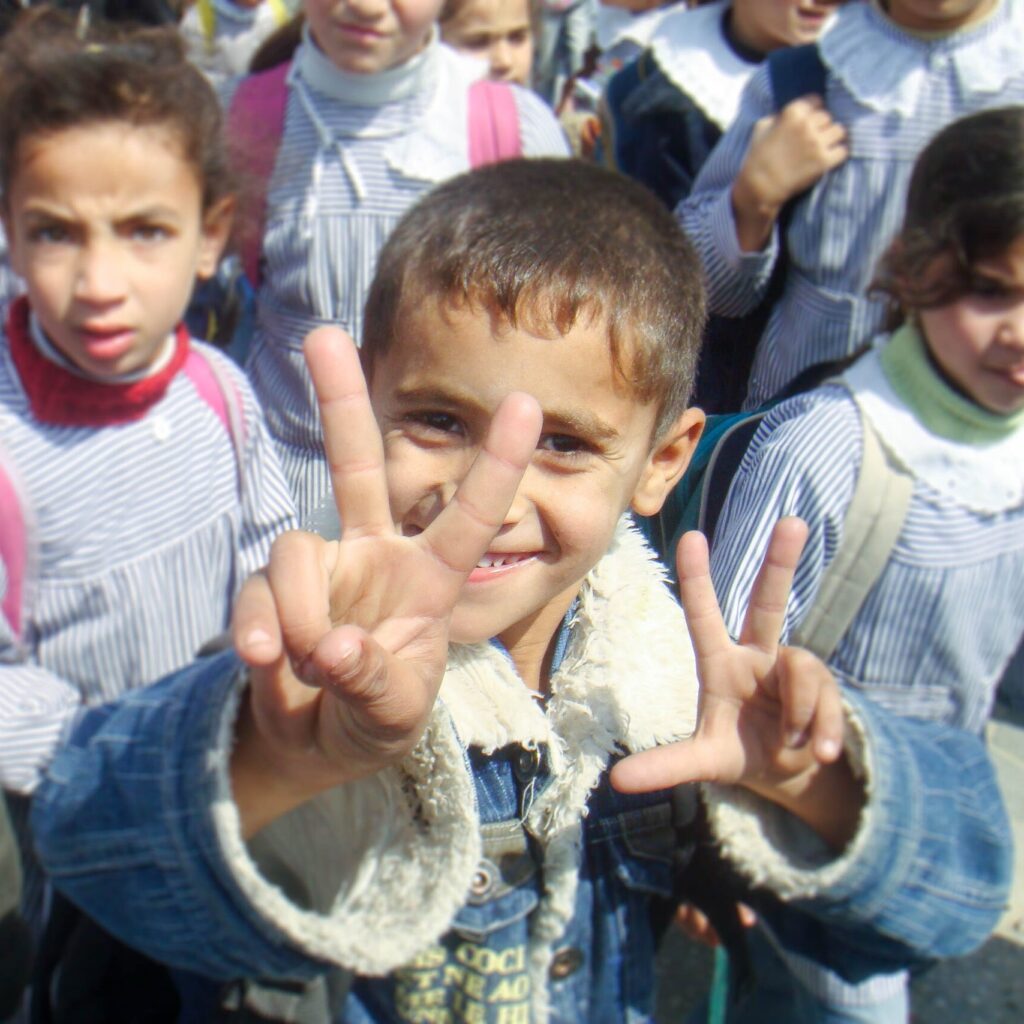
<point>501,59</point>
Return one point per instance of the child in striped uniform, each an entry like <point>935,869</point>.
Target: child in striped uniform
<point>138,486</point>
<point>945,396</point>
<point>376,111</point>
<point>896,72</point>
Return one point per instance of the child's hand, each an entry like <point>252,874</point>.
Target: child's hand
<point>770,716</point>
<point>347,641</point>
<point>788,153</point>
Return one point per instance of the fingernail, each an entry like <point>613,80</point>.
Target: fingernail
<point>256,638</point>
<point>828,750</point>
<point>796,738</point>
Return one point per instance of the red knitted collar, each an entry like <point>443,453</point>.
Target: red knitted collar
<point>61,398</point>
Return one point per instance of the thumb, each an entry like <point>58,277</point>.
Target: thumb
<point>700,759</point>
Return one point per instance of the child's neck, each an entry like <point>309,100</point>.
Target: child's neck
<point>939,407</point>
<point>533,643</point>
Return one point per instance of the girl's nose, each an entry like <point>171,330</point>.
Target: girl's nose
<point>99,279</point>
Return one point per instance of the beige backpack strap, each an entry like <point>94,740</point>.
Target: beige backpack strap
<point>871,528</point>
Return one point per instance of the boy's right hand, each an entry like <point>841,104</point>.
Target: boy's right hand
<point>347,641</point>
<point>788,153</point>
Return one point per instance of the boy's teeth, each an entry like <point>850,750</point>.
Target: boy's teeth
<point>495,561</point>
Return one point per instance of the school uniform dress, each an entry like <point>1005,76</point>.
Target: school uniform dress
<point>892,91</point>
<point>356,153</point>
<point>140,516</point>
<point>494,875</point>
<point>936,631</point>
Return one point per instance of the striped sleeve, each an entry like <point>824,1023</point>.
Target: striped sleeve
<point>267,505</point>
<point>539,130</point>
<point>736,280</point>
<point>803,461</point>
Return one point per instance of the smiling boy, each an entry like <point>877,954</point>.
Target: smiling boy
<point>438,818</point>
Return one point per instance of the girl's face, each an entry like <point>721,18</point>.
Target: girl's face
<point>368,36</point>
<point>978,340</point>
<point>767,25</point>
<point>498,31</point>
<point>938,15</point>
<point>104,223</point>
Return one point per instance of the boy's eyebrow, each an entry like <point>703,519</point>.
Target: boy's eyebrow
<point>571,421</point>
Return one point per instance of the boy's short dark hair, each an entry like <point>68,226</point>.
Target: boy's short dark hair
<point>541,243</point>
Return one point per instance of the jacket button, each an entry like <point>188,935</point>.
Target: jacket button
<point>483,879</point>
<point>565,962</point>
<point>526,763</point>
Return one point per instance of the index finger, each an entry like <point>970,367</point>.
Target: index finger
<point>697,594</point>
<point>355,453</point>
<point>463,531</point>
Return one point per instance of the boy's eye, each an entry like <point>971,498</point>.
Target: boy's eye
<point>437,422</point>
<point>519,37</point>
<point>563,444</point>
<point>476,42</point>
<point>989,287</point>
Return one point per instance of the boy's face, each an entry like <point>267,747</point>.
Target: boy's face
<point>434,395</point>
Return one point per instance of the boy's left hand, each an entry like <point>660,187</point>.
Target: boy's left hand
<point>771,718</point>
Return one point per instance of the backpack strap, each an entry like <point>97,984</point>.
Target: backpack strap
<point>218,391</point>
<point>796,71</point>
<point>14,550</point>
<point>254,126</point>
<point>871,527</point>
<point>493,123</point>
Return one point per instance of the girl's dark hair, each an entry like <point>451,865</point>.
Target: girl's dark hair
<point>279,47</point>
<point>965,203</point>
<point>54,76</point>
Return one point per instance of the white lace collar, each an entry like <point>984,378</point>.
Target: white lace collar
<point>986,479</point>
<point>887,69</point>
<point>691,48</point>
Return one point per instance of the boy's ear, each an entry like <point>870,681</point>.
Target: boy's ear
<point>667,462</point>
<point>216,229</point>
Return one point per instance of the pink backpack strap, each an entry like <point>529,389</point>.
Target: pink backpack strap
<point>255,123</point>
<point>14,551</point>
<point>493,123</point>
<point>218,391</point>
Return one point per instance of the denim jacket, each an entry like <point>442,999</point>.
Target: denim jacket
<point>493,874</point>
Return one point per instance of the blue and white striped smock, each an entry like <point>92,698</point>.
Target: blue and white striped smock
<point>892,92</point>
<point>137,541</point>
<point>939,627</point>
<point>357,152</point>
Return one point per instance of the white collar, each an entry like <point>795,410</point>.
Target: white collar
<point>887,69</point>
<point>691,48</point>
<point>356,90</point>
<point>986,479</point>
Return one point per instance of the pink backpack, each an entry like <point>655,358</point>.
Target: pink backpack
<point>255,123</point>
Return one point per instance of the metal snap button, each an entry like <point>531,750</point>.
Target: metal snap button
<point>526,763</point>
<point>565,962</point>
<point>483,879</point>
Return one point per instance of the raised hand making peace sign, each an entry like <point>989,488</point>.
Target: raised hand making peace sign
<point>347,640</point>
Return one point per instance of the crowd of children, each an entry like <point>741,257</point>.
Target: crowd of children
<point>474,743</point>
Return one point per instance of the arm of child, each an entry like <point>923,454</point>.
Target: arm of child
<point>738,273</point>
<point>788,153</point>
<point>347,640</point>
<point>771,717</point>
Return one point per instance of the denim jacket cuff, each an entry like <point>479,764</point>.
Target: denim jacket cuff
<point>773,849</point>
<point>335,875</point>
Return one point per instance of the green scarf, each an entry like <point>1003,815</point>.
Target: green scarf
<point>940,410</point>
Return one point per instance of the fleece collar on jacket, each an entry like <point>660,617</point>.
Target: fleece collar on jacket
<point>627,682</point>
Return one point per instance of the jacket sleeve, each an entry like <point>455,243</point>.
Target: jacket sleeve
<point>736,280</point>
<point>927,874</point>
<point>135,823</point>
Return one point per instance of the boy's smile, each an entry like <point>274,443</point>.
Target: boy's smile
<point>434,393</point>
